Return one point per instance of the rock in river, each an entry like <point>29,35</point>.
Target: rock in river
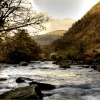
<point>3,79</point>
<point>64,65</point>
<point>22,79</point>
<point>28,92</point>
<point>44,86</point>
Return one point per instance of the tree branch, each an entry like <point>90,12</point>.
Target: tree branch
<point>14,28</point>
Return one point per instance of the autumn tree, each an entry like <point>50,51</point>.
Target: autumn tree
<point>22,48</point>
<point>15,14</point>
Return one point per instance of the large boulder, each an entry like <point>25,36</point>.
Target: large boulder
<point>22,93</point>
<point>43,86</point>
<point>94,67</point>
<point>23,63</point>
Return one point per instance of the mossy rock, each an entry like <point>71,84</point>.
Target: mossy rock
<point>22,93</point>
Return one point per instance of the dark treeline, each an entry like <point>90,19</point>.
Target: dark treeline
<point>20,47</point>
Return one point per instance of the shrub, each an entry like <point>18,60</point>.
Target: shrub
<point>89,61</point>
<point>53,56</point>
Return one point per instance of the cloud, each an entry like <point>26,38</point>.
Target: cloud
<point>58,24</point>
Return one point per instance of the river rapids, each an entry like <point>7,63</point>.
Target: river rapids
<point>75,83</point>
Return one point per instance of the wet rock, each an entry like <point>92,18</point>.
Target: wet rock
<point>20,80</point>
<point>3,79</point>
<point>23,80</point>
<point>23,63</point>
<point>94,67</point>
<point>55,62</point>
<point>64,65</point>
<point>29,92</point>
<point>44,86</point>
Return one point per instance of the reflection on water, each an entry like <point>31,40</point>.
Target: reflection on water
<point>73,84</point>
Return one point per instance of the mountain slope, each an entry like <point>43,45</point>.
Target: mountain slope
<point>48,37</point>
<point>85,32</point>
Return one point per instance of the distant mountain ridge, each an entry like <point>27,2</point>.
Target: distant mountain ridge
<point>47,38</point>
<point>58,24</point>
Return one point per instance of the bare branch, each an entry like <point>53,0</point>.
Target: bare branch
<point>15,14</point>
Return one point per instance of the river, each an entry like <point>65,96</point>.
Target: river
<point>75,83</point>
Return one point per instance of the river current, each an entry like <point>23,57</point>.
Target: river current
<point>75,83</point>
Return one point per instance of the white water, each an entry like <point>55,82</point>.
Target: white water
<point>75,83</point>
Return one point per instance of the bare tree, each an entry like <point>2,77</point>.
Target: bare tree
<point>15,14</point>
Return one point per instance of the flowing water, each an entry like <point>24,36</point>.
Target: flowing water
<point>75,83</point>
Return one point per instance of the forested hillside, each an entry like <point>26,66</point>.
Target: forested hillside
<point>85,31</point>
<point>82,38</point>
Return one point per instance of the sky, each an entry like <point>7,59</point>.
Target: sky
<point>71,10</point>
<point>74,9</point>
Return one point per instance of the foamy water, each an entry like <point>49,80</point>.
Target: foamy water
<point>74,83</point>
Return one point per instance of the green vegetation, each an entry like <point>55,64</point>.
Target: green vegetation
<point>15,17</point>
<point>25,48</point>
<point>20,47</point>
<point>80,42</point>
